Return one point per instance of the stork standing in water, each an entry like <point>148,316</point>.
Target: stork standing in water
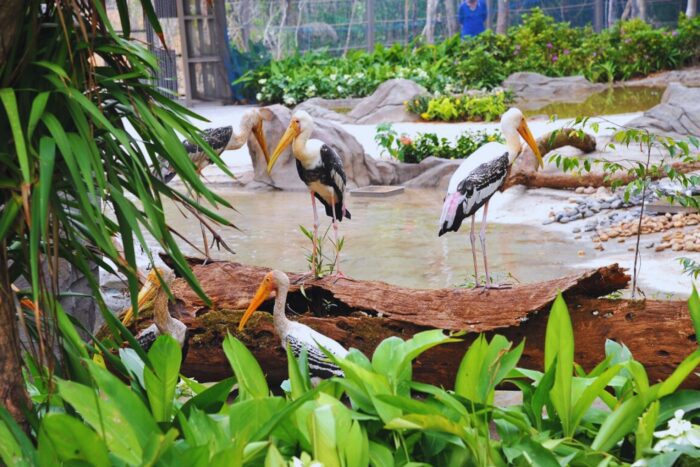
<point>298,336</point>
<point>163,323</point>
<point>321,169</point>
<point>479,177</point>
<point>222,139</point>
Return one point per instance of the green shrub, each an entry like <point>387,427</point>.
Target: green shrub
<point>146,417</point>
<point>425,145</point>
<point>474,106</point>
<point>631,48</point>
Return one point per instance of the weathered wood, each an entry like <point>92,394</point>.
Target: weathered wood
<point>361,314</point>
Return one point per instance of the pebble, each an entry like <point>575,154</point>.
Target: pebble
<point>576,230</point>
<point>616,204</point>
<point>581,253</point>
<point>580,190</point>
<point>589,190</point>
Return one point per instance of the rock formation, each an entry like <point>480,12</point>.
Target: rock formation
<point>677,115</point>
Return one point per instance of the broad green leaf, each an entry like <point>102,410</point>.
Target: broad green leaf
<point>559,345</point>
<point>15,447</point>
<point>273,457</point>
<point>160,380</point>
<point>694,309</point>
<point>593,391</point>
<point>324,439</point>
<point>679,375</point>
<point>380,455</point>
<point>684,399</point>
<point>618,424</point>
<point>644,434</point>
<point>251,380</point>
<point>7,96</point>
<point>296,379</point>
<point>71,441</point>
<point>212,399</point>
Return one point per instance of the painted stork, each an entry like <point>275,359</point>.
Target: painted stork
<point>223,139</point>
<point>479,177</point>
<point>163,323</point>
<point>321,169</point>
<point>298,336</point>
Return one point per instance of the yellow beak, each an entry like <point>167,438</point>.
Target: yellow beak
<point>146,295</point>
<point>292,132</point>
<point>524,131</point>
<point>260,137</point>
<point>261,295</point>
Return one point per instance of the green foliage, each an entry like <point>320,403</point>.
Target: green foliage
<point>473,106</point>
<point>425,145</point>
<point>629,49</point>
<point>390,419</point>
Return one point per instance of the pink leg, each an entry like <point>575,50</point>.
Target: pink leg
<point>315,236</point>
<point>472,238</point>
<point>482,237</point>
<point>335,234</point>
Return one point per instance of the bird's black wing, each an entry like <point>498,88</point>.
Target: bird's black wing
<point>147,338</point>
<point>482,183</point>
<point>217,138</point>
<point>333,175</point>
<point>319,365</point>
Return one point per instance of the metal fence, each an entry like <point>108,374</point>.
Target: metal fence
<point>287,26</point>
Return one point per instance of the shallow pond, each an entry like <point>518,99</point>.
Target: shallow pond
<point>392,239</point>
<point>611,101</point>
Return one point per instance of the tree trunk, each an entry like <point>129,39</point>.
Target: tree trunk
<point>430,13</point>
<point>612,13</point>
<point>599,13</point>
<point>10,11</point>
<point>502,18</point>
<point>451,18</point>
<point>642,9</point>
<point>12,393</point>
<point>692,9</point>
<point>361,314</point>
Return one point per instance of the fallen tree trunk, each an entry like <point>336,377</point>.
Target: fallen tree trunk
<point>361,314</point>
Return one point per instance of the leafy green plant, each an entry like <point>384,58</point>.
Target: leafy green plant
<point>539,44</point>
<point>474,106</point>
<point>131,418</point>
<point>414,150</point>
<point>320,264</point>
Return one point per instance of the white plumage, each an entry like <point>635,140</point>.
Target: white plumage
<point>297,335</point>
<point>478,178</point>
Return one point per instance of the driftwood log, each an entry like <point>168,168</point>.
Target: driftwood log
<point>361,314</point>
<point>524,170</point>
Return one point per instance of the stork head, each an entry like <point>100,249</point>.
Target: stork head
<point>273,281</point>
<point>513,122</point>
<point>301,123</point>
<point>252,121</point>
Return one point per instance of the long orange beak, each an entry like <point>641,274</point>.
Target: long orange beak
<point>260,137</point>
<point>292,132</point>
<point>525,132</point>
<point>261,295</point>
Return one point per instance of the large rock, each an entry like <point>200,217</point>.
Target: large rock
<point>687,77</point>
<point>361,169</point>
<point>534,90</point>
<point>678,114</point>
<point>329,109</point>
<point>386,104</point>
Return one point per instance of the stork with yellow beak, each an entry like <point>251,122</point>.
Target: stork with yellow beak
<point>224,139</point>
<point>477,179</point>
<point>298,336</point>
<point>321,169</point>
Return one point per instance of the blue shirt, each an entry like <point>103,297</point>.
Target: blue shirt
<point>472,21</point>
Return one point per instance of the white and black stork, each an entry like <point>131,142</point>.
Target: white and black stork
<point>321,169</point>
<point>298,336</point>
<point>479,177</point>
<point>223,139</point>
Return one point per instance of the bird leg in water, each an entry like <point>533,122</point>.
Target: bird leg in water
<point>482,236</point>
<point>315,235</point>
<point>336,263</point>
<point>472,238</point>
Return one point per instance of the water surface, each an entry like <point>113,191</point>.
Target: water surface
<point>609,102</point>
<point>392,239</point>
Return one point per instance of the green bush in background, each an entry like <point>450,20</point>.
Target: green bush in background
<point>629,49</point>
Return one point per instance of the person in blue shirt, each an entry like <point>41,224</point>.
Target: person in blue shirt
<point>472,15</point>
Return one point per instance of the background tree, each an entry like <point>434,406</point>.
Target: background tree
<point>692,8</point>
<point>502,18</point>
<point>68,84</point>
